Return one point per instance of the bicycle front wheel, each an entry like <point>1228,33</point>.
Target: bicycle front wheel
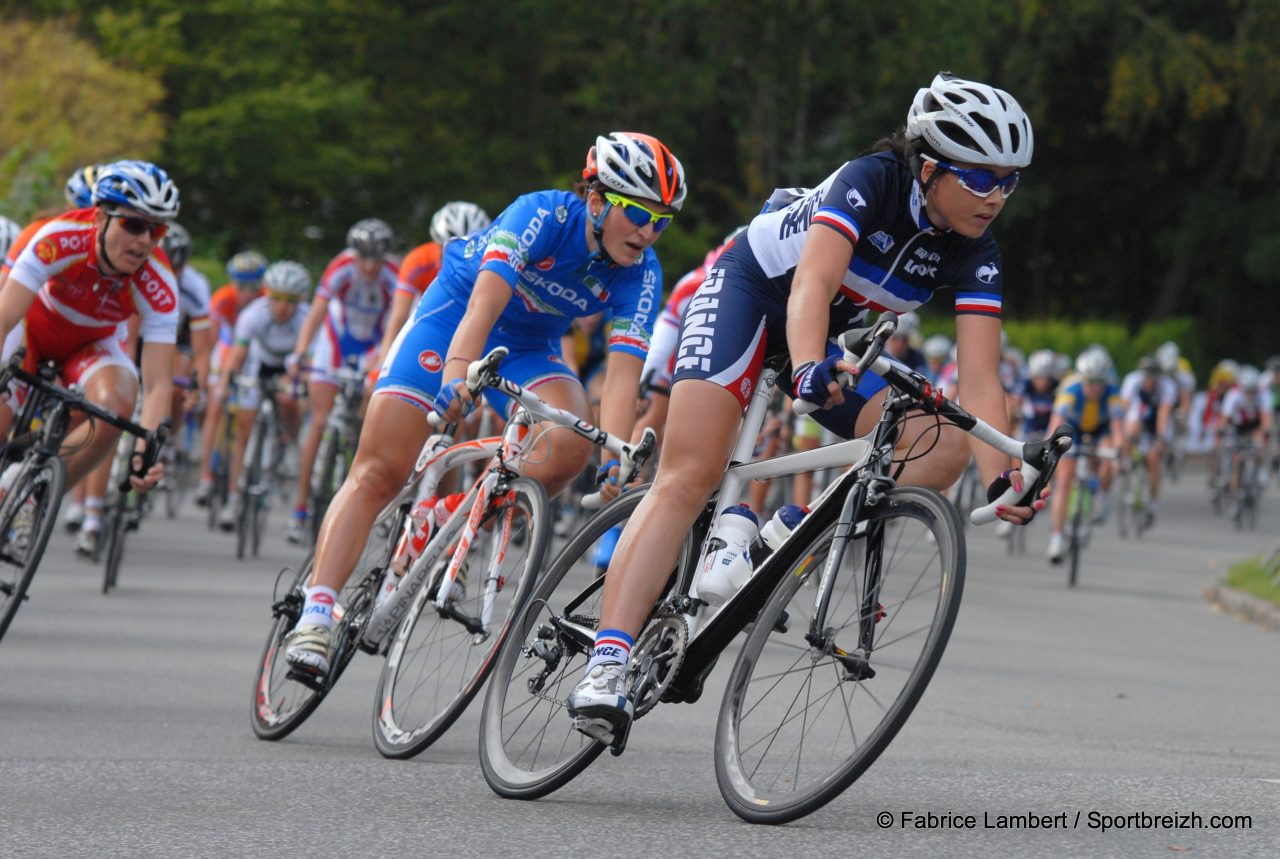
<point>113,530</point>
<point>281,701</point>
<point>528,746</point>
<point>28,515</point>
<point>799,724</point>
<point>439,658</point>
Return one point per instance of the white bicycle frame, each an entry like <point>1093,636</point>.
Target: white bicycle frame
<point>439,455</point>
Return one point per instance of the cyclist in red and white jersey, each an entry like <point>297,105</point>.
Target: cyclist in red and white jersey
<point>84,274</point>
<point>351,304</point>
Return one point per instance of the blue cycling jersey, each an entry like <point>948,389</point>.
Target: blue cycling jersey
<point>538,246</point>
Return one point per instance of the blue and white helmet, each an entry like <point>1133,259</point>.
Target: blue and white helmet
<point>79,187</point>
<point>138,185</point>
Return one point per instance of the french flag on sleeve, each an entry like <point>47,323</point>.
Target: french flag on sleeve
<point>838,221</point>
<point>982,303</point>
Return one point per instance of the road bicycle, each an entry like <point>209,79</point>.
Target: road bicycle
<point>1133,492</point>
<point>337,444</point>
<point>260,472</point>
<point>1246,470</point>
<point>224,447</point>
<point>182,472</point>
<point>35,476</point>
<point>123,512</point>
<point>441,622</point>
<point>845,621</point>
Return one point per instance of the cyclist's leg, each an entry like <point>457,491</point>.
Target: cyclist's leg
<point>212,420</point>
<point>705,417</point>
<point>394,433</point>
<point>110,380</point>
<point>1058,502</point>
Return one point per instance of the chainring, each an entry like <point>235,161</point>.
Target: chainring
<point>655,661</point>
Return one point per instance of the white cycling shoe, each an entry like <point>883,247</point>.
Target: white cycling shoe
<point>599,704</point>
<point>308,648</point>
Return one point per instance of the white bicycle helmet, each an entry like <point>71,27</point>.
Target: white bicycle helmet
<point>8,233</point>
<point>1248,378</point>
<point>1167,356</point>
<point>288,277</point>
<point>458,218</point>
<point>1041,364</point>
<point>908,324</point>
<point>938,347</point>
<point>637,165</point>
<point>370,237</point>
<point>1094,365</point>
<point>138,185</point>
<point>177,245</point>
<point>971,122</point>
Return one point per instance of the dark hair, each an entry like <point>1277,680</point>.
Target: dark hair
<point>908,150</point>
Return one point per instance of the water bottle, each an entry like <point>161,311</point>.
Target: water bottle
<point>737,529</point>
<point>734,566</point>
<point>423,522</point>
<point>776,530</point>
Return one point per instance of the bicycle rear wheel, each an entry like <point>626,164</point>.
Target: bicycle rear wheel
<point>437,661</point>
<point>28,515</point>
<point>528,746</point>
<point>798,725</point>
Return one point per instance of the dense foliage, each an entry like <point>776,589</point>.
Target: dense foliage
<point>285,120</point>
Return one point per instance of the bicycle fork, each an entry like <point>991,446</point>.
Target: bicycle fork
<point>856,663</point>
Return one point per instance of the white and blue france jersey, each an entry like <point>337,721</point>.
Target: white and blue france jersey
<point>899,260</point>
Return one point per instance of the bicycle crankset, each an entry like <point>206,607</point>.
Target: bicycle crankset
<point>655,660</point>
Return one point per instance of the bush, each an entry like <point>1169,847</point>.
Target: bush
<point>1072,337</point>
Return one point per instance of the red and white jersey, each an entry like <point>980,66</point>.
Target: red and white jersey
<point>357,308</point>
<point>76,303</point>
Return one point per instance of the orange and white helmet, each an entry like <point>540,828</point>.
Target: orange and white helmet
<point>637,165</point>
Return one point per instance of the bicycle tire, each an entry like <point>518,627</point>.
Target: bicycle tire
<point>434,667</point>
<point>269,717</point>
<point>46,483</point>
<point>250,479</point>
<point>923,599</point>
<point>113,530</point>
<point>517,723</point>
<point>1077,522</point>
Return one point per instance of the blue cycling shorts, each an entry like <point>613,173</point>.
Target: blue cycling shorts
<point>414,364</point>
<point>734,320</point>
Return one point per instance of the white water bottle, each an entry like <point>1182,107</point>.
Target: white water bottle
<point>734,571</point>
<point>726,566</point>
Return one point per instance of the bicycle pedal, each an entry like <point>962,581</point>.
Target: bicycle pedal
<point>600,730</point>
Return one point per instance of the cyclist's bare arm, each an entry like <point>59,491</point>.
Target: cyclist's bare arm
<point>489,297</point>
<point>978,362</point>
<point>315,318</point>
<point>401,306</point>
<point>15,300</point>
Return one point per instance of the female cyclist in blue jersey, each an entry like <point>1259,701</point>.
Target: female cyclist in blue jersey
<point>549,258</point>
<point>883,232</point>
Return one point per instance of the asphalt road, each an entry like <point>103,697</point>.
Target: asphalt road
<point>124,725</point>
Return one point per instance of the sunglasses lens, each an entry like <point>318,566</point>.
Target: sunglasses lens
<point>661,224</point>
<point>138,226</point>
<point>635,214</point>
